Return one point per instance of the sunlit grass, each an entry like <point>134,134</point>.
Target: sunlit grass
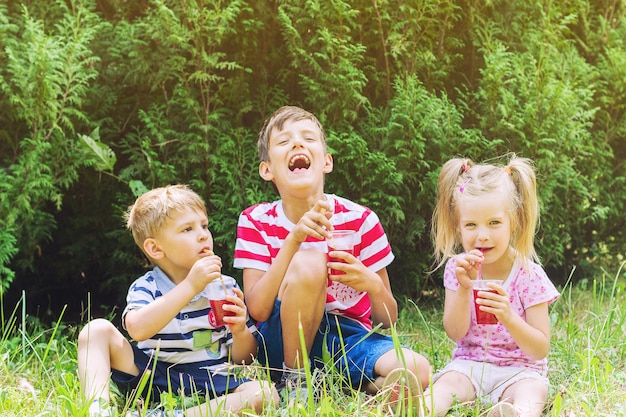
<point>587,360</point>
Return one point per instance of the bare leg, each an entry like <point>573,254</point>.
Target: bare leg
<point>415,363</point>
<point>102,347</point>
<point>529,397</point>
<point>303,298</point>
<point>252,395</point>
<point>449,387</point>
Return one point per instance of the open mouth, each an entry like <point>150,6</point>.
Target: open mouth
<point>299,161</point>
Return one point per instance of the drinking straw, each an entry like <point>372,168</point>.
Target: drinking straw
<point>332,209</point>
<point>224,286</point>
<point>210,252</point>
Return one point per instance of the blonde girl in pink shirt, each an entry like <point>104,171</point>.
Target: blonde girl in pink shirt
<point>484,228</point>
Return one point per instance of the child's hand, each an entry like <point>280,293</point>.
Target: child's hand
<point>468,267</point>
<point>237,322</point>
<point>498,304</point>
<point>314,222</point>
<point>205,270</point>
<point>355,274</point>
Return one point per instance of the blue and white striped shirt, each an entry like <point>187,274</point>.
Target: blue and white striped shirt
<point>189,337</point>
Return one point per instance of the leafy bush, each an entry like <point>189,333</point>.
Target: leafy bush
<point>46,74</point>
<point>102,100</point>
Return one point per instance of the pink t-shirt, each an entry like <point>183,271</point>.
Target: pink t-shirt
<point>262,229</point>
<point>493,343</point>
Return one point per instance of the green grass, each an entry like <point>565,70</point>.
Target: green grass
<point>587,360</point>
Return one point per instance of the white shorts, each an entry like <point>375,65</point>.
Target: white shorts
<point>490,380</point>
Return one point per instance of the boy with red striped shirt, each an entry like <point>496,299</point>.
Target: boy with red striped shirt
<point>282,249</point>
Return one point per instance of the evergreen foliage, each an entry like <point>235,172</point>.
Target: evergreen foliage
<point>100,101</point>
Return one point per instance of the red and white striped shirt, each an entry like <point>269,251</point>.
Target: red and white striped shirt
<point>263,227</point>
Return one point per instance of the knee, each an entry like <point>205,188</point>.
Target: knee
<point>529,396</point>
<point>308,270</point>
<point>532,388</point>
<point>97,329</point>
<point>410,360</point>
<point>456,379</point>
<point>420,366</point>
<point>270,394</point>
<point>542,392</point>
<point>262,394</point>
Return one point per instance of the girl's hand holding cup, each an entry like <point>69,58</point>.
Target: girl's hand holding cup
<point>482,288</point>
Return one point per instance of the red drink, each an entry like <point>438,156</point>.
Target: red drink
<point>341,240</point>
<point>482,317</point>
<point>217,312</point>
<point>331,259</point>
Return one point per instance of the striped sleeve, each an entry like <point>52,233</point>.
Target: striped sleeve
<point>141,293</point>
<point>376,251</point>
<point>260,233</point>
<point>251,251</point>
<point>373,249</point>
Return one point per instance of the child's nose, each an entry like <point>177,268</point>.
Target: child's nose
<point>297,141</point>
<point>483,235</point>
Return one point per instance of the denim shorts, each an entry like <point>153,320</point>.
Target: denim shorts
<point>189,379</point>
<point>340,342</point>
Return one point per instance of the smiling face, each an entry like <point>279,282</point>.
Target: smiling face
<point>297,159</point>
<point>485,224</point>
<point>180,242</point>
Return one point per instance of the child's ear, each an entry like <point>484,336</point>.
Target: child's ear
<point>328,163</point>
<point>265,171</point>
<point>152,249</point>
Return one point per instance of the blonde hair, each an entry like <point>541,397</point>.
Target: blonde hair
<point>460,178</point>
<point>152,209</point>
<point>278,120</point>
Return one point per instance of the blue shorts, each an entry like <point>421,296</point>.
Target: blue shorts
<point>353,354</point>
<point>189,379</point>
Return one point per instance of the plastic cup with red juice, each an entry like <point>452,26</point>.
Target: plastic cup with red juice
<point>217,303</point>
<point>341,240</point>
<point>482,317</point>
<point>217,312</point>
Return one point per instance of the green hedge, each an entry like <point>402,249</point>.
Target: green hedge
<point>102,100</point>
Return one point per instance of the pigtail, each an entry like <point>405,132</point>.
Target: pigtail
<point>527,210</point>
<point>444,224</point>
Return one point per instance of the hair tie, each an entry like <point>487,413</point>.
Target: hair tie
<point>465,168</point>
<point>462,187</point>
